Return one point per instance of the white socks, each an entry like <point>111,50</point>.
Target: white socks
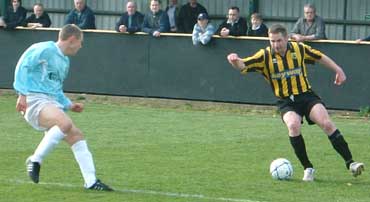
<point>51,138</point>
<point>85,161</point>
<point>82,154</point>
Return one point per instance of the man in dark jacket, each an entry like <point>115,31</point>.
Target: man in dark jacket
<point>156,20</point>
<point>14,15</point>
<point>81,15</point>
<point>39,18</point>
<point>234,25</point>
<point>131,21</point>
<point>188,16</point>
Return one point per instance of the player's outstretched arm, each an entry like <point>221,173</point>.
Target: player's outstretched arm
<point>340,76</point>
<point>235,61</point>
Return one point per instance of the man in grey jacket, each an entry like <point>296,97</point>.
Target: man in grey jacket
<point>309,27</point>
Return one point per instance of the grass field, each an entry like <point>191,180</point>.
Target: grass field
<point>167,154</point>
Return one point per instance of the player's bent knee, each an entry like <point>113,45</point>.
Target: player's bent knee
<point>294,127</point>
<point>65,125</point>
<point>73,136</point>
<point>327,126</point>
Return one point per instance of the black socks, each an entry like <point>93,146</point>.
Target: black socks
<point>300,151</point>
<point>340,145</point>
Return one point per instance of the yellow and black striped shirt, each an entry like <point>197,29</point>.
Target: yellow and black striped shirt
<point>286,75</point>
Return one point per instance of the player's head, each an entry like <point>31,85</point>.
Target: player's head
<point>278,36</point>
<point>70,37</point>
<point>309,12</point>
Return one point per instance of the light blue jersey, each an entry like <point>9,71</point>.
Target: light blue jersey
<point>42,69</point>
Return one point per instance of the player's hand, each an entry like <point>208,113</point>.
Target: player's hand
<point>77,107</point>
<point>340,77</point>
<point>233,58</point>
<point>21,105</point>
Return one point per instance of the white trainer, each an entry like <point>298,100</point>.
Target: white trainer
<point>356,168</point>
<point>308,175</point>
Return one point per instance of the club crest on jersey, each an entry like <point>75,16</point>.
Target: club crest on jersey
<point>294,55</point>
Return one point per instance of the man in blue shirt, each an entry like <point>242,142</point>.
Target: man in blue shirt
<point>203,30</point>
<point>38,80</point>
<point>81,15</point>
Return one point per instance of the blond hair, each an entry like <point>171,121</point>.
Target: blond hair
<point>68,31</point>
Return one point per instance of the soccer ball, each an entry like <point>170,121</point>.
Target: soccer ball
<point>281,169</point>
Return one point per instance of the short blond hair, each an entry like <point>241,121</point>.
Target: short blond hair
<point>68,31</point>
<point>277,28</point>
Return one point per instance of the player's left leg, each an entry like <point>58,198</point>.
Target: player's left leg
<point>84,158</point>
<point>320,116</point>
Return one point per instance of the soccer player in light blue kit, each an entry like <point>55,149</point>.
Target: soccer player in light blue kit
<point>39,77</point>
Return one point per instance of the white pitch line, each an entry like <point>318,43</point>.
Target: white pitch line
<point>148,192</point>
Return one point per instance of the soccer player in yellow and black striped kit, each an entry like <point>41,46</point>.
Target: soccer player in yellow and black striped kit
<point>283,66</point>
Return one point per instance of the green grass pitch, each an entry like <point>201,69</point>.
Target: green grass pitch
<point>164,154</point>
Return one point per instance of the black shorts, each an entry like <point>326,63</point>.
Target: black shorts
<point>301,104</point>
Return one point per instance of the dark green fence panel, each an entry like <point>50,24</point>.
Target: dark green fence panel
<point>181,70</point>
<point>171,67</point>
<point>109,63</point>
<point>355,61</point>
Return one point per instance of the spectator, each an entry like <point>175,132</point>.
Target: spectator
<point>203,30</point>
<point>14,16</point>
<point>81,15</point>
<point>131,20</point>
<point>173,13</point>
<point>156,20</point>
<point>234,25</point>
<point>257,28</point>
<point>364,39</point>
<point>309,27</point>
<point>188,16</point>
<point>39,18</point>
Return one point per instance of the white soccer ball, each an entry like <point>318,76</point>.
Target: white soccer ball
<point>281,169</point>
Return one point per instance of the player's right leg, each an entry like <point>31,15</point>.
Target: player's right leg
<point>293,122</point>
<point>52,119</point>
